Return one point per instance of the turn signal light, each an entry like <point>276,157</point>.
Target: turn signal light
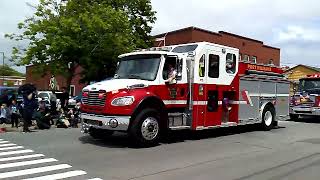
<point>85,94</point>
<point>317,102</point>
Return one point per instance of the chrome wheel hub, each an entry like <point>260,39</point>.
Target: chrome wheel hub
<point>268,118</point>
<point>149,128</point>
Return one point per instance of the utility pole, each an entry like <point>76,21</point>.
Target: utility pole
<point>2,67</point>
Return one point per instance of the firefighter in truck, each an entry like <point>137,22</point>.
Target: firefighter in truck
<point>193,86</point>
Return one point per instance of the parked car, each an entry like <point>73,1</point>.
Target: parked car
<point>74,100</point>
<point>6,93</point>
<point>48,96</point>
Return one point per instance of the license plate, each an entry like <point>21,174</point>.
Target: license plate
<point>93,122</point>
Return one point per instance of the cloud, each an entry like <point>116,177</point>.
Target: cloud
<point>292,33</point>
<point>11,13</point>
<point>292,25</point>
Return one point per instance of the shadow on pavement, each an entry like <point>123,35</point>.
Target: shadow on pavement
<point>117,140</point>
<point>121,140</point>
<point>306,119</point>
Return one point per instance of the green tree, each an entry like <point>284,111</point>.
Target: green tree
<point>63,35</point>
<point>8,71</point>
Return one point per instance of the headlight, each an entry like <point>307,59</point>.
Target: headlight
<point>123,101</point>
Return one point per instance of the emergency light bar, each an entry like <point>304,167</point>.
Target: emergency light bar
<point>166,48</point>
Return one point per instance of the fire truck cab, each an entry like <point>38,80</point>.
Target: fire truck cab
<point>306,101</point>
<point>190,86</point>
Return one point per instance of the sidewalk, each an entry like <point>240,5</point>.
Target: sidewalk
<point>14,129</point>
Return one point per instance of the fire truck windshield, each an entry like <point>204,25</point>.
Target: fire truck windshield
<point>143,67</point>
<point>309,85</point>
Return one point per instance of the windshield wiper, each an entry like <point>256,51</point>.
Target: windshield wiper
<point>134,76</point>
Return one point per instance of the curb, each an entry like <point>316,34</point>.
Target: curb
<point>3,130</point>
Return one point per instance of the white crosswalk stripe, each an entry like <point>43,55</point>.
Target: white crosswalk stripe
<point>15,152</point>
<point>10,148</point>
<point>20,157</point>
<point>60,175</point>
<point>15,162</point>
<point>6,145</point>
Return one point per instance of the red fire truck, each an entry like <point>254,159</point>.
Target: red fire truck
<point>210,89</point>
<point>306,101</point>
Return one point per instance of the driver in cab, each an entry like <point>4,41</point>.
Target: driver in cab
<point>170,74</point>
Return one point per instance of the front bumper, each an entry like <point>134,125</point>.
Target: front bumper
<point>114,123</point>
<point>309,111</point>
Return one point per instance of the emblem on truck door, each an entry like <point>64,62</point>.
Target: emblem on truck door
<point>173,92</point>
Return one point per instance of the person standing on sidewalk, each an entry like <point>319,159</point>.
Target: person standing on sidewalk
<point>14,110</point>
<point>3,114</point>
<point>30,104</point>
<point>64,99</point>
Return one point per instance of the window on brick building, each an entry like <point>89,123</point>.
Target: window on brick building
<point>245,58</point>
<point>271,62</point>
<point>254,59</point>
<point>72,90</point>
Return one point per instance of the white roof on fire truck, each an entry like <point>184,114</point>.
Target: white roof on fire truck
<point>148,52</point>
<point>169,50</point>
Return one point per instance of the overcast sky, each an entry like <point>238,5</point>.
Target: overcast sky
<point>292,25</point>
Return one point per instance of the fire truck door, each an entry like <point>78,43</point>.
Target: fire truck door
<point>213,112</point>
<point>175,91</point>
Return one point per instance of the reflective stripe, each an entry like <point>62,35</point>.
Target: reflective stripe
<point>238,102</point>
<point>268,95</point>
<point>200,103</point>
<point>174,102</point>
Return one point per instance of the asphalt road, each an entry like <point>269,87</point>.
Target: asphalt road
<point>289,152</point>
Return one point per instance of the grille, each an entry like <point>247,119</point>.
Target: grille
<point>93,99</point>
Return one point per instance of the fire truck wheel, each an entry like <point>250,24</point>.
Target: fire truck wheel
<point>99,133</point>
<point>268,118</point>
<point>145,129</point>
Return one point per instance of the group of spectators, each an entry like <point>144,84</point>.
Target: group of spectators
<point>12,112</point>
<point>28,109</point>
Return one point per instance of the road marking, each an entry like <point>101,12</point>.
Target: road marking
<point>42,164</point>
<point>21,157</point>
<point>33,171</point>
<point>26,163</point>
<point>15,152</point>
<point>10,148</point>
<point>6,145</point>
<point>60,175</point>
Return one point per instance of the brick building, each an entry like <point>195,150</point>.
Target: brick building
<point>250,49</point>
<point>42,82</point>
<point>12,81</point>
